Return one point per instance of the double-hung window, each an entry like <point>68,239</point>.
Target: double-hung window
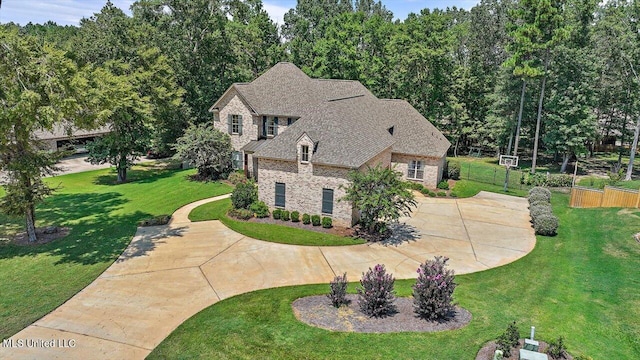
<point>280,195</point>
<point>272,126</point>
<point>327,201</point>
<point>416,170</point>
<point>304,153</point>
<point>235,124</point>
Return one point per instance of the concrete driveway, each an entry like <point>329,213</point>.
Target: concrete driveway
<point>169,273</point>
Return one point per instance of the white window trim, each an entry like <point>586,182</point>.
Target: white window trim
<point>302,152</point>
<point>412,172</point>
<point>235,124</point>
<point>271,125</point>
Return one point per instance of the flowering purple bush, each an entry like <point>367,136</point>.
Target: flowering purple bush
<point>433,291</point>
<point>376,294</point>
<point>338,292</point>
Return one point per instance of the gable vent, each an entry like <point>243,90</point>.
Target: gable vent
<point>390,130</point>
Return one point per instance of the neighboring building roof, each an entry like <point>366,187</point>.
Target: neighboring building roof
<point>63,131</point>
<point>347,122</point>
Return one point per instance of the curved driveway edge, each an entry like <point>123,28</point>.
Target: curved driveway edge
<point>169,273</point>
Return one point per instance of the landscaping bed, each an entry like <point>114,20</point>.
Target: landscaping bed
<point>319,312</point>
<point>487,351</point>
<point>335,230</point>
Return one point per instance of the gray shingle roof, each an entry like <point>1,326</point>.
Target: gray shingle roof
<point>348,123</point>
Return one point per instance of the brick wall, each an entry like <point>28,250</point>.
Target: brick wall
<point>231,104</point>
<point>304,189</point>
<point>432,167</point>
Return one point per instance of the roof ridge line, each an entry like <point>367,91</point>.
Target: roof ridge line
<point>346,98</point>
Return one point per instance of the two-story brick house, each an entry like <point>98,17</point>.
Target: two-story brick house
<point>300,137</point>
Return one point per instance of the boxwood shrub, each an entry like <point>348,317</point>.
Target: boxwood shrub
<point>276,214</point>
<point>285,215</point>
<point>327,223</point>
<point>306,219</point>
<point>546,224</point>
<point>443,185</point>
<point>315,220</point>
<point>260,209</point>
<point>540,209</point>
<point>295,216</point>
<point>539,193</point>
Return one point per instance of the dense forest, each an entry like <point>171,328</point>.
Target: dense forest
<point>554,77</point>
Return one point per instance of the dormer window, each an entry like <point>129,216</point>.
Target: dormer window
<point>304,153</point>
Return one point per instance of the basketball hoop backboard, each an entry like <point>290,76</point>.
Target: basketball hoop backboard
<point>508,161</point>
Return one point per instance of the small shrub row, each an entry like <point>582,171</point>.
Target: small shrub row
<point>294,216</point>
<point>544,222</point>
<point>551,180</point>
<point>433,291</point>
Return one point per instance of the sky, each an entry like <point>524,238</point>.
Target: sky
<point>69,12</point>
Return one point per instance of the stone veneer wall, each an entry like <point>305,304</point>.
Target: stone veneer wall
<point>231,104</point>
<point>383,159</point>
<point>432,167</point>
<point>303,190</point>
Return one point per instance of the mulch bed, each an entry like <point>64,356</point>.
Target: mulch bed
<point>45,235</point>
<point>487,351</point>
<point>319,312</point>
<point>336,230</point>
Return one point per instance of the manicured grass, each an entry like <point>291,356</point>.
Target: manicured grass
<point>469,188</point>
<point>36,279</point>
<point>269,232</point>
<point>582,284</point>
<point>599,183</point>
<point>487,171</point>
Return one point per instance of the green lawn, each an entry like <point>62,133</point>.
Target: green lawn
<point>269,232</point>
<point>582,284</point>
<point>36,279</point>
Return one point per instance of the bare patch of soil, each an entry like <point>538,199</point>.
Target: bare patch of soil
<point>487,351</point>
<point>45,235</point>
<point>319,312</point>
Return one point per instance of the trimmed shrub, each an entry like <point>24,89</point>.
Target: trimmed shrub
<point>276,214</point>
<point>441,194</point>
<point>260,209</point>
<point>306,219</point>
<point>537,197</point>
<point>508,339</point>
<point>237,177</point>
<point>285,215</point>
<point>539,203</point>
<point>338,291</point>
<point>546,224</point>
<point>315,220</point>
<point>295,216</point>
<point>375,294</point>
<point>539,193</point>
<point>432,194</point>
<point>453,170</point>
<point>541,209</point>
<point>425,191</point>
<point>244,195</point>
<point>242,214</point>
<point>556,349</point>
<point>443,185</point>
<point>453,195</point>
<point>327,223</point>
<point>433,291</point>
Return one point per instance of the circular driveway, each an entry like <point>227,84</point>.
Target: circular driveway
<point>169,273</point>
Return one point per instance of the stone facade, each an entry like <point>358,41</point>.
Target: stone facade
<point>232,104</point>
<point>383,159</point>
<point>304,188</point>
<point>432,168</point>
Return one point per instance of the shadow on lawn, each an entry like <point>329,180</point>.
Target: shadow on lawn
<point>96,235</point>
<point>145,175</point>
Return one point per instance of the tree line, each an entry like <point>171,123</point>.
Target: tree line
<point>527,77</point>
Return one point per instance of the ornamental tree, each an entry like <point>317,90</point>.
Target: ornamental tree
<point>380,195</point>
<point>207,148</point>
